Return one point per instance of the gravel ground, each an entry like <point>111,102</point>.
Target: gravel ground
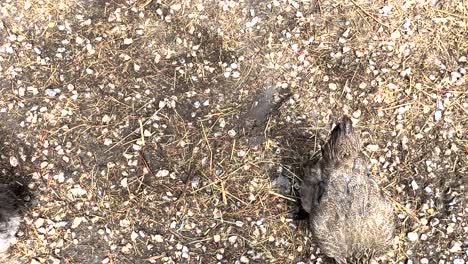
<point>174,131</point>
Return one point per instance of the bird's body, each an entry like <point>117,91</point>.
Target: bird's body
<point>9,218</point>
<point>349,217</point>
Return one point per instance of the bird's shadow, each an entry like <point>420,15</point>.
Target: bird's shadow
<point>299,149</point>
<point>15,167</point>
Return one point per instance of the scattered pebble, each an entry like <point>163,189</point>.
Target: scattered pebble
<point>13,161</point>
<point>412,236</point>
<point>456,246</point>
<point>332,86</point>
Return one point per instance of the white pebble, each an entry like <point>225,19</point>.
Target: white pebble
<point>414,185</point>
<point>124,182</point>
<point>13,161</point>
<point>128,41</point>
<point>106,119</point>
<point>162,173</point>
<point>456,247</point>
<point>232,133</point>
<point>107,141</point>
<point>39,222</point>
<point>176,7</point>
<point>232,239</point>
<point>372,147</point>
<point>412,236</point>
<point>76,222</point>
<point>158,238</point>
<point>357,114</point>
<point>133,236</point>
<point>244,259</point>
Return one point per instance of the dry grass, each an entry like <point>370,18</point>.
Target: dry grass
<point>134,158</point>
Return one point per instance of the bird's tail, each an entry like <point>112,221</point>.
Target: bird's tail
<point>343,142</point>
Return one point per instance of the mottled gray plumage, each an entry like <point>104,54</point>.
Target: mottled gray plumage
<point>9,218</point>
<point>350,218</point>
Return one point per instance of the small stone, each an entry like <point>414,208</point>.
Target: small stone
<point>79,40</point>
<point>128,41</point>
<point>357,114</point>
<point>232,239</point>
<point>428,189</point>
<point>124,182</point>
<point>216,238</point>
<point>415,186</point>
<point>76,222</point>
<point>13,161</point>
<point>424,261</point>
<point>39,222</point>
<point>434,221</point>
<point>126,249</point>
<point>136,147</point>
<point>232,133</point>
<point>437,115</point>
<point>244,259</point>
<point>158,238</point>
<point>27,5</point>
<point>395,35</point>
<point>106,119</point>
<point>52,92</point>
<point>455,247</point>
<point>134,236</point>
<point>450,228</point>
<point>61,177</point>
<point>406,25</point>
<point>332,86</point>
<point>405,72</point>
<point>458,261</point>
<point>239,223</point>
<point>176,7</point>
<point>412,236</point>
<point>241,153</point>
<point>385,10</point>
<point>107,141</point>
<point>162,173</point>
<point>423,221</point>
<point>372,147</point>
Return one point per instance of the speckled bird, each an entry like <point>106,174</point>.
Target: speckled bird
<point>9,218</point>
<point>350,219</point>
